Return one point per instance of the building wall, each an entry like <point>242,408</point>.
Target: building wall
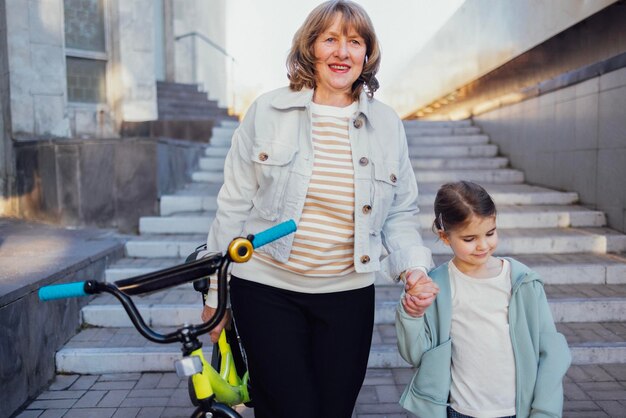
<point>197,61</point>
<point>36,64</point>
<point>570,139</point>
<point>479,37</point>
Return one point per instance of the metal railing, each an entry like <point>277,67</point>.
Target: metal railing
<point>197,35</point>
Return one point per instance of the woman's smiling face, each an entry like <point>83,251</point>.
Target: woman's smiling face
<point>340,54</point>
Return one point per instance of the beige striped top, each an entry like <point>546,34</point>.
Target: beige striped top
<point>323,245</point>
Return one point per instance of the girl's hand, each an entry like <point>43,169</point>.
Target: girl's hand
<point>207,313</point>
<point>420,293</point>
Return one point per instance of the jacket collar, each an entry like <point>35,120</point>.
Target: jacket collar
<point>289,99</point>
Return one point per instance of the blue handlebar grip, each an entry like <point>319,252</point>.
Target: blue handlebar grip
<point>62,291</point>
<point>273,233</point>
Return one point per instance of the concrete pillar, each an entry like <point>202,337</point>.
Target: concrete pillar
<point>134,60</point>
<point>36,66</point>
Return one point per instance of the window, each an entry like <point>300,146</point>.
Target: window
<point>86,50</point>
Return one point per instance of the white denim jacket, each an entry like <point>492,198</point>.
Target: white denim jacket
<point>269,165</point>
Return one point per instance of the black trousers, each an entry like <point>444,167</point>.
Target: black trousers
<point>307,353</point>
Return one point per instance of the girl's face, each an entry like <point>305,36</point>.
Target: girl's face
<point>340,58</point>
<point>473,244</point>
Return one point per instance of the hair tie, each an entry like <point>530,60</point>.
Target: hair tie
<point>440,219</point>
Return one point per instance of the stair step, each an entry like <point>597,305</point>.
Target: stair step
<point>459,163</point>
<point>453,151</point>
<point>556,269</point>
<point>173,203</point>
<point>423,131</point>
<point>217,163</point>
<point>531,216</point>
<point>87,357</point>
<point>512,241</point>
<point>501,175</point>
<point>191,223</point>
<point>203,196</point>
<point>446,140</point>
<point>408,124</point>
<point>182,305</point>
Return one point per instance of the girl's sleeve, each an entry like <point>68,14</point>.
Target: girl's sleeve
<point>413,336</point>
<point>554,360</point>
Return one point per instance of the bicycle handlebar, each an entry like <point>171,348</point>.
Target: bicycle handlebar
<point>61,291</point>
<point>274,233</point>
<point>173,276</point>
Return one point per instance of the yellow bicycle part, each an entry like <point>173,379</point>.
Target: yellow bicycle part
<point>240,250</point>
<point>229,388</point>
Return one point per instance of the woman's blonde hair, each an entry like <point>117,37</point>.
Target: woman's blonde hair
<point>301,59</point>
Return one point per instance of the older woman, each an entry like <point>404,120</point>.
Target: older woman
<point>324,153</point>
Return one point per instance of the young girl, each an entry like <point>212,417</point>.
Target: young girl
<point>480,333</point>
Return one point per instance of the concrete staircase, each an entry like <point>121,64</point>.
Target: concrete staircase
<point>582,261</point>
<point>178,101</point>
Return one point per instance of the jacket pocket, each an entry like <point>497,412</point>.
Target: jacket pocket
<point>272,161</point>
<point>432,379</point>
<point>384,187</point>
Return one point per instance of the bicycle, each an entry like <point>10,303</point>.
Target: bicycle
<point>214,393</point>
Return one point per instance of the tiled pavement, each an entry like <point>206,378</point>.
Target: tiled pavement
<point>590,392</point>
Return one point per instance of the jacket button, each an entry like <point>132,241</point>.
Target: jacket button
<point>367,209</point>
<point>263,156</point>
<point>358,123</point>
<point>364,161</point>
<point>365,259</point>
<point>393,178</point>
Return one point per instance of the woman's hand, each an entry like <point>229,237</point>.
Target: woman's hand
<point>207,313</point>
<point>420,293</point>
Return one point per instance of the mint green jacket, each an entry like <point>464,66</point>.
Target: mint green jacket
<point>542,356</point>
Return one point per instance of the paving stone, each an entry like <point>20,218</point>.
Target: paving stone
<point>84,382</point>
<point>126,413</point>
<point>53,413</point>
<point>150,412</point>
<point>62,382</point>
<point>65,394</point>
<point>113,398</point>
<point>91,399</point>
<point>90,412</point>
<point>30,414</point>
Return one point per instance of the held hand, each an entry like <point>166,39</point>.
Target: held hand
<point>420,293</point>
<point>207,313</point>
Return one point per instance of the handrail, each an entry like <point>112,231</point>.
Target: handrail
<point>208,41</point>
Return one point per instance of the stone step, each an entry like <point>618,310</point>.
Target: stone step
<point>452,151</point>
<point>122,350</point>
<point>500,175</point>
<point>208,177</point>
<point>182,305</point>
<point>203,196</point>
<point>425,131</point>
<point>408,124</point>
<point>415,151</point>
<point>512,241</point>
<point>556,269</point>
<point>217,163</point>
<point>459,163</point>
<point>531,216</point>
<point>447,140</point>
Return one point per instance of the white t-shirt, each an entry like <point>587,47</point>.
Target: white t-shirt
<point>483,366</point>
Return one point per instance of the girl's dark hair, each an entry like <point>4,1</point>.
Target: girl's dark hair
<point>455,204</point>
<point>301,59</point>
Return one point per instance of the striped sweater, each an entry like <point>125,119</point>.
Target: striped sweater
<point>323,246</point>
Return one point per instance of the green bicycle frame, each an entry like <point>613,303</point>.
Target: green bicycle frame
<point>227,386</point>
